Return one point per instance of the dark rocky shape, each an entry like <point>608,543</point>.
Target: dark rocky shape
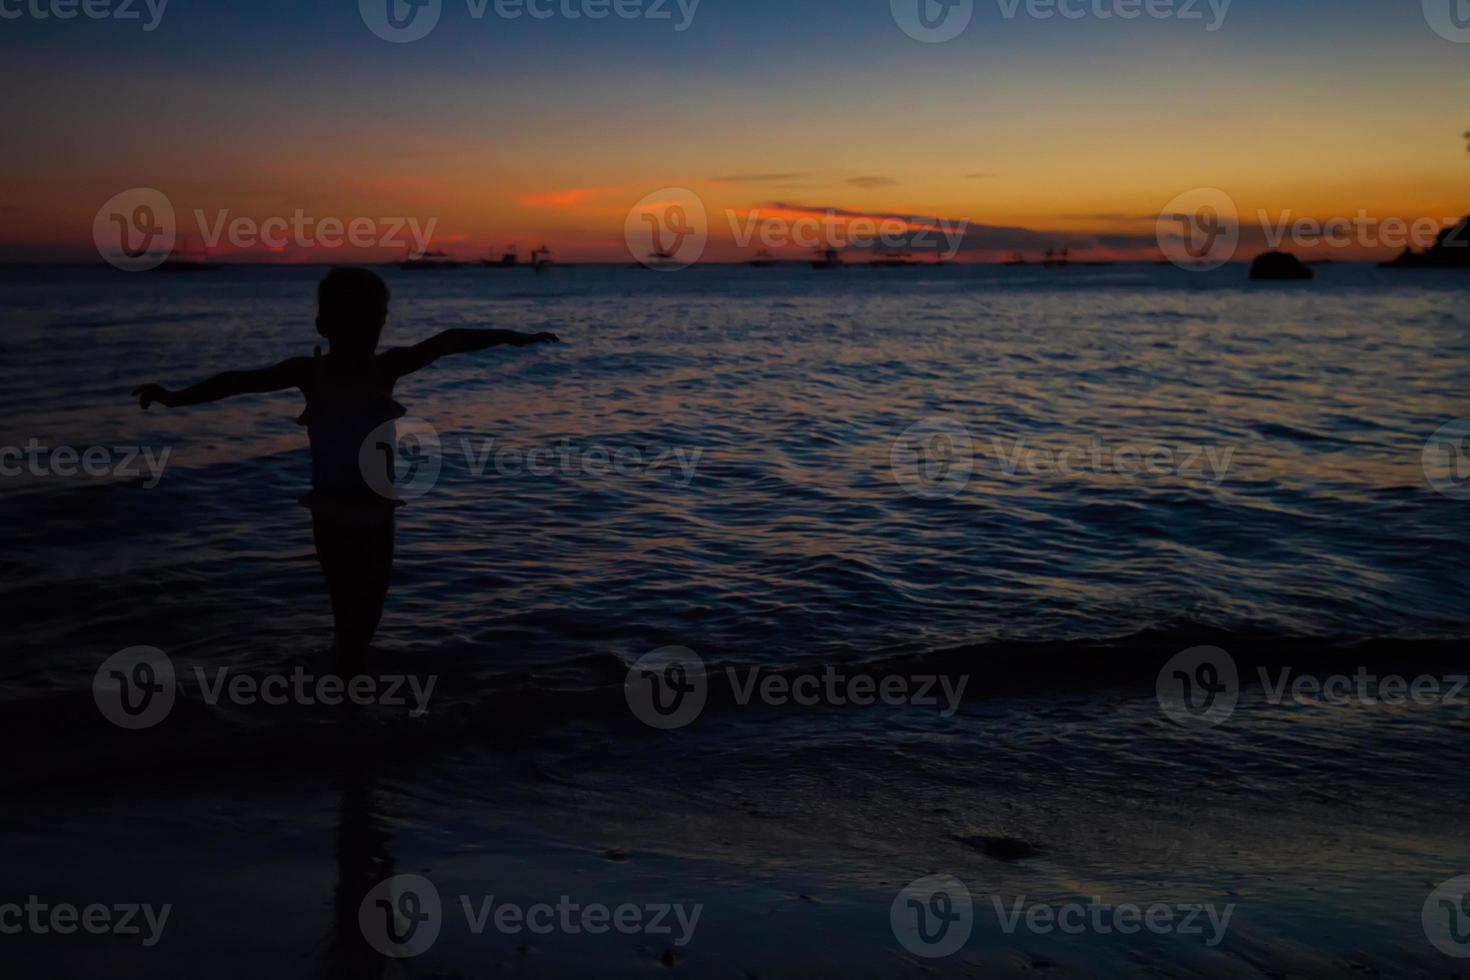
<point>1001,848</point>
<point>1279,266</point>
<point>1451,250</point>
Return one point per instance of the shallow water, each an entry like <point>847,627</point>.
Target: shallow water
<point>761,518</point>
<point>1287,516</point>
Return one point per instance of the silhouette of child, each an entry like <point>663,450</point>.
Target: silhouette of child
<point>349,397</point>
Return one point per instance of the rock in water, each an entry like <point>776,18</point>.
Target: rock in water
<point>1001,848</point>
<point>1279,265</point>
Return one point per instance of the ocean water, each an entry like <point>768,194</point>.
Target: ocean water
<point>1037,479</point>
<point>760,514</point>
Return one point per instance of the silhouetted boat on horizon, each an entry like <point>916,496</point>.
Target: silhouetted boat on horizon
<point>763,260</point>
<point>892,260</point>
<point>509,259</point>
<point>430,262</point>
<point>541,259</point>
<point>829,258</point>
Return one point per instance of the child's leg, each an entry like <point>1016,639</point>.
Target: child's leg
<point>357,559</point>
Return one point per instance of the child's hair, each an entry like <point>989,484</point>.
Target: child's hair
<point>352,306</point>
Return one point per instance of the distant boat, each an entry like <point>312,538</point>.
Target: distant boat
<point>541,259</point>
<point>763,260</point>
<point>508,260</point>
<point>1017,259</point>
<point>892,260</point>
<point>186,264</point>
<point>1056,258</point>
<point>430,262</point>
<point>828,258</point>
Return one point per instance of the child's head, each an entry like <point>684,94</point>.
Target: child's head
<point>352,306</point>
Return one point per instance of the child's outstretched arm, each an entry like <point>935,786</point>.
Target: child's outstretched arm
<point>288,374</point>
<point>406,360</point>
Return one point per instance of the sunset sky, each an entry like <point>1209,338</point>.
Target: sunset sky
<point>1073,132</point>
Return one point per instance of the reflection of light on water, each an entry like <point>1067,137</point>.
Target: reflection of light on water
<point>794,388</point>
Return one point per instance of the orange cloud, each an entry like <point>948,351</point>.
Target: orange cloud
<point>556,199</point>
